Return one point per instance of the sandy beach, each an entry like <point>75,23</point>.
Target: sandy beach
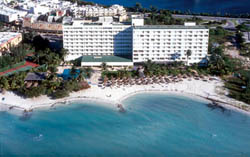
<point>114,95</point>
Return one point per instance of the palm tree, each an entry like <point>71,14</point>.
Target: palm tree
<point>53,69</point>
<point>80,76</point>
<point>13,84</point>
<point>149,68</point>
<point>138,7</point>
<point>4,83</point>
<point>63,53</point>
<point>217,65</point>
<point>73,71</point>
<point>88,71</point>
<point>104,66</point>
<point>189,53</point>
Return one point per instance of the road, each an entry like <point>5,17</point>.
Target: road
<point>230,25</point>
<point>240,20</point>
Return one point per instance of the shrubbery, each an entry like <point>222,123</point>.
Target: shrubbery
<point>60,93</point>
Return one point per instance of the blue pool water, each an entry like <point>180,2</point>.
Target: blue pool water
<point>154,125</point>
<point>198,6</point>
<point>67,74</point>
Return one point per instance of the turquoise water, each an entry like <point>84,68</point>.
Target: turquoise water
<point>154,125</point>
<point>197,6</point>
<point>67,74</point>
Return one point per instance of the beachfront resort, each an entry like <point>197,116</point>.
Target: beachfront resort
<point>134,41</point>
<point>88,48</point>
<point>122,80</point>
<point>102,44</point>
<point>110,55</point>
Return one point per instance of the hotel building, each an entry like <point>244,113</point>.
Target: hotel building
<point>170,43</point>
<point>141,42</point>
<point>97,38</point>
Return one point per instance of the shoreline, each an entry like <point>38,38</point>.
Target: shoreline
<point>114,104</point>
<point>207,91</point>
<point>190,96</point>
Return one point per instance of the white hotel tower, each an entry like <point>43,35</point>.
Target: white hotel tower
<point>159,43</point>
<point>100,38</point>
<point>166,43</point>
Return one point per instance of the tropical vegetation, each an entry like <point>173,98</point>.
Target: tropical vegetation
<point>15,55</point>
<point>138,8</point>
<point>53,85</point>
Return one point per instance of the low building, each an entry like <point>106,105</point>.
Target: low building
<point>33,79</point>
<point>115,61</point>
<point>38,76</point>
<point>9,39</point>
<point>99,11</point>
<point>31,23</point>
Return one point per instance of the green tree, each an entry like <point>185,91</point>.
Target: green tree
<point>138,7</point>
<point>153,9</point>
<point>40,43</point>
<point>60,93</point>
<point>53,69</point>
<point>63,53</point>
<point>240,39</point>
<point>188,54</point>
<point>4,84</point>
<point>104,66</point>
<point>243,28</point>
<point>80,76</point>
<point>73,71</point>
<point>88,71</point>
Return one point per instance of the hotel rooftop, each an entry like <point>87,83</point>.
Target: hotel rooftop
<point>170,27</point>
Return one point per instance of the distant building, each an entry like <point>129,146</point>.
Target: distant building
<point>42,7</point>
<point>30,23</point>
<point>9,39</point>
<point>8,14</point>
<point>97,11</point>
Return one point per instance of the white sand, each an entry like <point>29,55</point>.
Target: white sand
<point>212,89</point>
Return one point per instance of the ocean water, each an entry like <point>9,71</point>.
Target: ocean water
<point>153,125</point>
<point>197,6</point>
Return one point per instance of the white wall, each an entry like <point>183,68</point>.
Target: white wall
<point>97,40</point>
<point>165,45</point>
<point>116,64</point>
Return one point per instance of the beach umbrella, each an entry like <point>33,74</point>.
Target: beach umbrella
<point>184,76</point>
<point>28,85</point>
<point>35,84</point>
<point>188,75</point>
<point>211,79</point>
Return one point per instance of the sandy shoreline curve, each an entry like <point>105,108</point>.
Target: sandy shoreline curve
<point>198,89</point>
